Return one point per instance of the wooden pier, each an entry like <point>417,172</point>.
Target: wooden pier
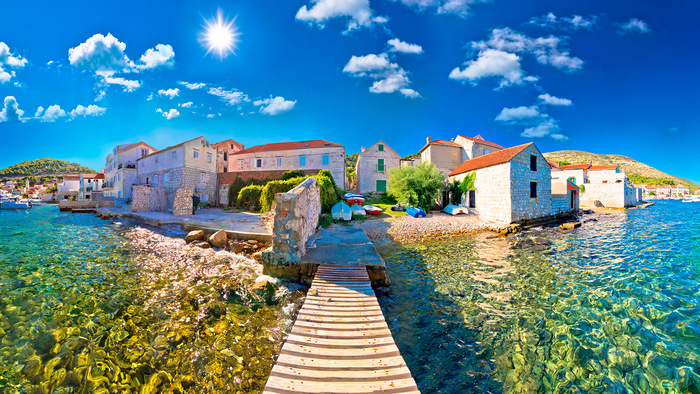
<point>340,342</point>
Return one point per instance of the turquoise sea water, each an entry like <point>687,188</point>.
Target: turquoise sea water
<point>94,306</point>
<point>612,307</point>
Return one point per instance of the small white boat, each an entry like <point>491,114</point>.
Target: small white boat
<point>455,209</point>
<point>372,210</point>
<point>691,200</point>
<point>358,210</point>
<point>14,203</point>
<point>341,211</point>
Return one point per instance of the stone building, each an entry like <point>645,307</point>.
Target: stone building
<point>373,165</point>
<point>576,172</point>
<point>272,160</point>
<point>89,184</point>
<point>448,155</point>
<point>223,151</point>
<point>189,164</point>
<point>120,168</point>
<point>512,185</point>
<point>69,188</point>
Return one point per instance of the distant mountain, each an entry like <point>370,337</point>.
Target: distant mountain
<point>636,171</point>
<point>44,167</point>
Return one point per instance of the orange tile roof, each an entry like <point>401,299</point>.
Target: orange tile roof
<point>610,167</point>
<point>481,141</point>
<point>576,167</point>
<point>289,146</point>
<point>492,159</point>
<point>71,177</point>
<point>93,176</point>
<point>445,142</point>
<point>554,164</point>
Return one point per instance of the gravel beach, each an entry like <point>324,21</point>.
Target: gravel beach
<point>406,229</point>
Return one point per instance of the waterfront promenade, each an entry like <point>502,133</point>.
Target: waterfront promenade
<point>340,342</point>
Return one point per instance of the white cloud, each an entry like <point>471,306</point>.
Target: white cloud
<point>575,22</point>
<point>9,61</point>
<point>192,86</point>
<point>552,100</point>
<point>275,106</point>
<point>160,111</point>
<point>456,7</point>
<point>53,113</point>
<point>128,84</point>
<point>232,97</point>
<point>39,111</point>
<point>169,92</point>
<point>493,63</point>
<point>160,56</point>
<point>536,123</point>
<point>10,110</point>
<point>100,95</point>
<point>150,97</point>
<point>520,114</point>
<point>186,105</point>
<point>90,110</point>
<point>358,13</point>
<point>99,53</point>
<point>173,113</point>
<point>634,25</point>
<point>388,76</point>
<point>404,47</point>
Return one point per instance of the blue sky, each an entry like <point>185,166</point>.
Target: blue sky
<point>78,77</point>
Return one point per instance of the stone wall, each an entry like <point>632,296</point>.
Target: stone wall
<point>522,206</point>
<point>611,195</point>
<point>227,178</point>
<point>296,218</point>
<point>182,206</point>
<point>148,199</point>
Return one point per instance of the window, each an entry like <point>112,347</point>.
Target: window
<point>381,186</point>
<point>195,154</point>
<point>258,163</point>
<point>144,152</point>
<point>486,151</point>
<point>533,189</point>
<point>380,148</point>
<point>208,157</point>
<point>533,163</point>
<point>225,156</point>
<point>119,176</point>
<point>380,165</point>
<point>147,180</point>
<point>225,169</point>
<point>202,177</point>
<point>155,179</point>
<point>302,161</point>
<point>166,177</point>
<point>156,159</point>
<point>231,146</point>
<point>173,153</point>
<point>279,162</point>
<point>324,160</point>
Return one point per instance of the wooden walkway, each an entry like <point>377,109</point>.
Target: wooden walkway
<point>340,342</point>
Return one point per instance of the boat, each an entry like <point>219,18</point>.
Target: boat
<point>398,208</point>
<point>691,200</point>
<point>353,198</point>
<point>341,211</point>
<point>358,210</point>
<point>372,210</point>
<point>455,209</point>
<point>415,212</point>
<point>14,203</point>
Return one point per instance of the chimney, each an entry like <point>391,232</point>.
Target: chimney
<point>428,139</point>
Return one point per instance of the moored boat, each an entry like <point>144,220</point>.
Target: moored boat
<point>14,203</point>
<point>353,198</point>
<point>341,211</point>
<point>415,212</point>
<point>455,209</point>
<point>358,210</point>
<point>372,210</point>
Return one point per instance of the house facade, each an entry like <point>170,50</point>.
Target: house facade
<point>577,173</point>
<point>69,188</point>
<point>448,155</point>
<point>223,151</point>
<point>189,164</point>
<point>512,185</point>
<point>373,165</point>
<point>120,168</point>
<point>272,160</point>
<point>89,185</point>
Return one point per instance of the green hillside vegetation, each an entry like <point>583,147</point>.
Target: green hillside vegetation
<point>636,171</point>
<point>44,167</point>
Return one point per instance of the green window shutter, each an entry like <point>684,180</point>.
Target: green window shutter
<point>381,186</point>
<point>381,148</point>
<point>380,164</point>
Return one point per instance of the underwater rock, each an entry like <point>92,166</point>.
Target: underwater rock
<point>569,226</point>
<point>32,366</point>
<point>236,246</point>
<point>195,235</point>
<point>219,239</point>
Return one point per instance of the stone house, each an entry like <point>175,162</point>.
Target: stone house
<point>69,188</point>
<point>565,196</point>
<point>120,168</point>
<point>89,184</point>
<point>188,164</point>
<point>679,191</point>
<point>512,185</point>
<point>270,161</point>
<point>373,165</point>
<point>576,172</point>
<point>223,150</point>
<point>448,155</point>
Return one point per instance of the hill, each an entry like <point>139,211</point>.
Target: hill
<point>44,167</point>
<point>637,172</point>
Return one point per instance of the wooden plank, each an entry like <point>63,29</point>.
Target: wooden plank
<point>317,351</point>
<point>342,326</point>
<point>311,362</point>
<point>406,385</point>
<point>320,333</point>
<point>344,312</point>
<point>350,342</point>
<point>342,373</point>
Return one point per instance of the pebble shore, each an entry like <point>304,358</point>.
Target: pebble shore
<point>405,229</point>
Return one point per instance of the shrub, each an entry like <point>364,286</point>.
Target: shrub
<point>468,182</point>
<point>330,192</point>
<point>293,174</point>
<point>234,189</point>
<point>582,189</point>
<point>417,186</point>
<point>269,191</point>
<point>249,198</point>
<point>455,192</point>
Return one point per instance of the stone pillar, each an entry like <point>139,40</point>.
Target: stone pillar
<point>183,202</point>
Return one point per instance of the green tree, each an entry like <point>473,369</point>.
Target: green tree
<point>455,192</point>
<point>563,163</point>
<point>468,182</point>
<point>417,186</point>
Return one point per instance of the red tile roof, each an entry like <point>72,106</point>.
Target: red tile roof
<point>610,167</point>
<point>554,164</point>
<point>576,167</point>
<point>492,159</point>
<point>93,176</point>
<point>445,142</point>
<point>482,141</point>
<point>71,177</point>
<point>289,146</point>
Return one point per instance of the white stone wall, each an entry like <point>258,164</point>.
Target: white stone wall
<point>493,193</point>
<point>611,195</point>
<point>523,207</point>
<point>240,162</point>
<point>562,175</point>
<point>366,169</point>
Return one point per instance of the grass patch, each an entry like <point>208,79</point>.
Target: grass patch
<point>386,208</point>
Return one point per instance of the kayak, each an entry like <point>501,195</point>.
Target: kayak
<point>353,198</point>
<point>372,210</point>
<point>358,210</point>
<point>398,208</point>
<point>341,211</point>
<point>415,212</point>
<point>455,209</point>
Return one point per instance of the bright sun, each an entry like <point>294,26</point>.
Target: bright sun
<point>220,36</point>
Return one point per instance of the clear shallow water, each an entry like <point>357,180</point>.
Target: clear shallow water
<point>613,306</point>
<point>88,305</point>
